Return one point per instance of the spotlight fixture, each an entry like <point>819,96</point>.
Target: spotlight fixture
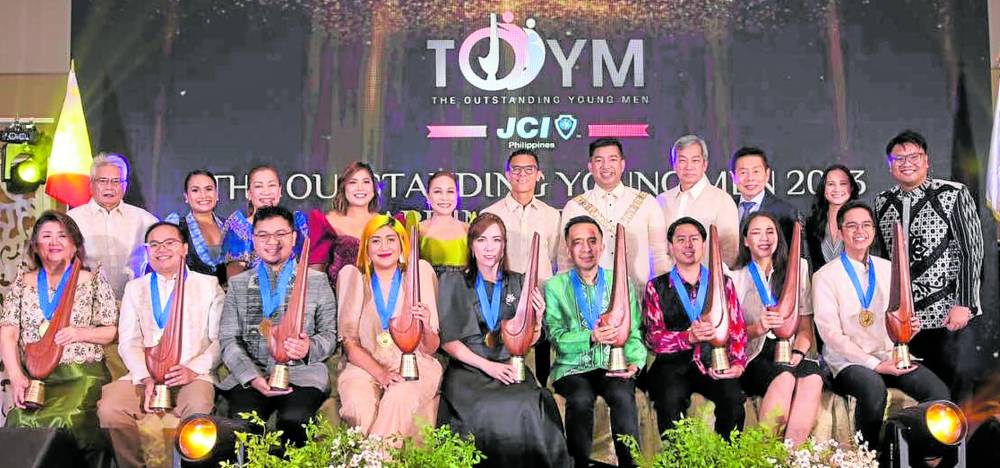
<point>19,133</point>
<point>929,434</point>
<point>206,440</point>
<point>25,171</point>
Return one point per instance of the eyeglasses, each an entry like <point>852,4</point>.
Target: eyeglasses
<point>170,244</point>
<point>106,181</point>
<point>526,170</point>
<point>911,158</point>
<point>269,236</point>
<point>868,226</point>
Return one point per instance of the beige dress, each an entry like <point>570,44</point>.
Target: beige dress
<point>404,407</point>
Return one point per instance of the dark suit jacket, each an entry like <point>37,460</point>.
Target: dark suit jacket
<point>786,214</point>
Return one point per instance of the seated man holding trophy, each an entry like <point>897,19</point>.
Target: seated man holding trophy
<point>168,340</point>
<point>691,315</point>
<point>852,305</point>
<point>593,322</point>
<point>279,325</point>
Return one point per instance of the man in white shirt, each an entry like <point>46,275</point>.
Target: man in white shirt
<point>696,197</point>
<point>126,401</point>
<point>611,203</point>
<point>523,214</point>
<point>112,229</point>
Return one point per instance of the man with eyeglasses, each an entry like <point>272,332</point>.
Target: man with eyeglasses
<point>523,215</point>
<point>850,302</point>
<point>610,203</point>
<point>145,313</point>
<point>696,197</point>
<point>112,229</point>
<point>945,241</point>
<point>261,294</point>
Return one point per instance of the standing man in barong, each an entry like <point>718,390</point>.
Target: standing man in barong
<point>697,198</point>
<point>257,298</point>
<point>145,314</point>
<point>574,301</point>
<point>524,214</point>
<point>611,203</point>
<point>112,229</point>
<point>945,240</point>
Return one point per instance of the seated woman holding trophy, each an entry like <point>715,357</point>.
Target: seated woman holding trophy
<point>389,381</point>
<point>490,318</point>
<point>55,319</point>
<point>852,305</point>
<point>168,338</point>
<point>772,285</point>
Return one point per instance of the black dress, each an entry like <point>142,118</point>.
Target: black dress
<point>514,425</point>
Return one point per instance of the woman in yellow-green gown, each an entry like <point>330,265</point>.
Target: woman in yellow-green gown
<point>443,241</point>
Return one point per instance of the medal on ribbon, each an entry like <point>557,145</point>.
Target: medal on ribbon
<point>866,318</point>
<point>590,310</point>
<point>385,310</point>
<point>763,291</point>
<point>160,314</point>
<point>48,303</point>
<point>490,310</point>
<point>691,308</point>
<point>270,298</point>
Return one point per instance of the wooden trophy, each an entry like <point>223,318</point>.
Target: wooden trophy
<point>42,357</point>
<point>167,353</point>
<point>788,305</point>
<point>519,332</point>
<point>618,313</point>
<point>406,331</point>
<point>716,310</point>
<point>291,323</point>
<point>900,310</point>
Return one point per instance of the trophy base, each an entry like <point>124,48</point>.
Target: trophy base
<point>616,362</point>
<point>161,399</point>
<point>902,354</point>
<point>279,377</point>
<point>720,359</point>
<point>34,396</point>
<point>783,351</point>
<point>518,363</point>
<point>408,367</point>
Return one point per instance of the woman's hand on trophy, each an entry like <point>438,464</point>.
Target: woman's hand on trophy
<point>260,384</point>
<point>538,301</point>
<point>69,335</point>
<point>18,386</point>
<point>421,312</point>
<point>297,348</point>
<point>387,378</point>
<point>771,319</point>
<point>734,372</point>
<point>500,371</point>
<point>179,375</point>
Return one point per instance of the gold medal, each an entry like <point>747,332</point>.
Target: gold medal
<point>866,318</point>
<point>490,339</point>
<point>265,327</point>
<point>384,339</point>
<point>43,327</point>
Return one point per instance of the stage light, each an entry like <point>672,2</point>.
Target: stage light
<point>27,170</point>
<point>206,440</point>
<point>929,434</point>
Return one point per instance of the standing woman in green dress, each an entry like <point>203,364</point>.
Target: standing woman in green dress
<point>443,240</point>
<point>72,390</point>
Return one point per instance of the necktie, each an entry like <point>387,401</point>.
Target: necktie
<point>745,208</point>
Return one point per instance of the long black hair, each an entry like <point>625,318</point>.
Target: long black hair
<point>779,259</point>
<point>816,222</point>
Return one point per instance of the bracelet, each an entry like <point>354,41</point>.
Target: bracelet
<point>800,353</point>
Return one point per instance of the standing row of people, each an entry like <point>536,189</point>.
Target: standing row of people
<point>470,280</point>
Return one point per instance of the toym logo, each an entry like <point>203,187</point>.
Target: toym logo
<point>529,128</point>
<point>528,51</point>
